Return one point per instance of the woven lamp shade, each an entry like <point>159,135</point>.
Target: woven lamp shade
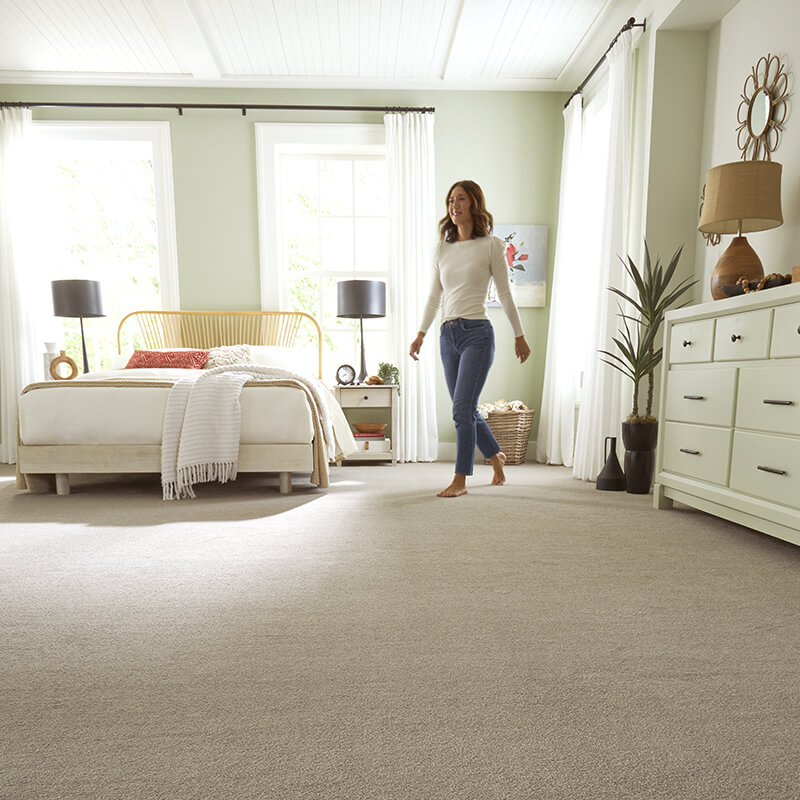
<point>742,197</point>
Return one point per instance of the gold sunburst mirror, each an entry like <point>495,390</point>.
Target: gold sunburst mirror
<point>762,110</point>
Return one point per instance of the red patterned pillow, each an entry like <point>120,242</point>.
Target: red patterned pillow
<point>167,359</point>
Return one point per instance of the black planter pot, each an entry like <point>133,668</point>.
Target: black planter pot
<point>640,440</point>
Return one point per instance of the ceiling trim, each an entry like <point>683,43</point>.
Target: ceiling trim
<point>349,84</point>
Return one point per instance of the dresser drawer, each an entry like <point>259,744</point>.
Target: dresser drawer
<point>786,331</point>
<point>741,336</point>
<point>368,397</point>
<point>697,451</point>
<point>769,399</point>
<point>691,342</point>
<point>705,396</point>
<point>767,467</point>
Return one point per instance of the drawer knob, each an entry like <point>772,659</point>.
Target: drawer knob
<point>798,328</point>
<point>690,452</point>
<point>366,397</point>
<point>735,337</point>
<point>778,402</point>
<point>693,397</point>
<point>687,342</point>
<point>772,470</point>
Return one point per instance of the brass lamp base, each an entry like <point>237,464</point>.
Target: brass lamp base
<point>739,260</point>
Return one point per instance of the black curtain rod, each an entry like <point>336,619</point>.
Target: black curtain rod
<point>179,107</point>
<point>631,23</point>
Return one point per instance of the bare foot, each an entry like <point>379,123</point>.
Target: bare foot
<point>498,462</point>
<point>456,488</point>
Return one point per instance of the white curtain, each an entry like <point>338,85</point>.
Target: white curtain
<point>412,218</point>
<point>605,399</point>
<point>565,339</point>
<point>20,348</point>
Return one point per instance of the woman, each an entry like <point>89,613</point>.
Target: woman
<point>465,259</point>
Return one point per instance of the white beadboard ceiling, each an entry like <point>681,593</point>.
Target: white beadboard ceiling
<point>386,44</point>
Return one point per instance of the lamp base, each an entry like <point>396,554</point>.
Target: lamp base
<point>739,260</point>
<point>362,375</point>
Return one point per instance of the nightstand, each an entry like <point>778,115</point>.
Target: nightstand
<point>380,403</point>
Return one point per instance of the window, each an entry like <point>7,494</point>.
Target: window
<point>105,201</point>
<point>322,204</point>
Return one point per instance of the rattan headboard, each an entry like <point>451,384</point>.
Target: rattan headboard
<point>204,329</point>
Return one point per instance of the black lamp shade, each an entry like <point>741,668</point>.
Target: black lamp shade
<point>361,299</point>
<point>77,298</point>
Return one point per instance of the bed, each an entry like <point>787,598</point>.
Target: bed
<point>113,421</point>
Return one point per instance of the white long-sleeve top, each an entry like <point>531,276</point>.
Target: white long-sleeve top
<point>461,273</point>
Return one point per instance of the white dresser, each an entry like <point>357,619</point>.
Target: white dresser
<point>729,442</point>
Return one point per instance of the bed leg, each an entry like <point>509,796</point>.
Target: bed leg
<point>286,483</point>
<point>21,483</point>
<point>38,483</point>
<point>62,483</point>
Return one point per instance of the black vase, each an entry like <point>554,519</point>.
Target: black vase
<point>611,478</point>
<point>640,440</point>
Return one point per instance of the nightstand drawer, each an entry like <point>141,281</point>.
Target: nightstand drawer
<point>767,467</point>
<point>697,451</point>
<point>786,332</point>
<point>367,397</point>
<point>769,399</point>
<point>704,396</point>
<point>740,336</point>
<point>691,342</point>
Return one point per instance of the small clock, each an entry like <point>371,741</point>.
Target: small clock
<point>345,375</point>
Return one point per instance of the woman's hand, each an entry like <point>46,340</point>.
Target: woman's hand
<point>416,345</point>
<point>521,349</point>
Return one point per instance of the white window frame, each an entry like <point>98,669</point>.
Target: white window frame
<point>157,133</point>
<point>272,140</point>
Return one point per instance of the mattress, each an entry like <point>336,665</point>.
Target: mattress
<point>67,413</point>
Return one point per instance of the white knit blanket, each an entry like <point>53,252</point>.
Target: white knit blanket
<point>202,425</point>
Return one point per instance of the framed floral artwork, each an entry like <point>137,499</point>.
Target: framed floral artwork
<point>526,259</point>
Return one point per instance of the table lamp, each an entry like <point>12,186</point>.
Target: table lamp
<point>78,298</point>
<point>361,299</point>
<point>740,197</point>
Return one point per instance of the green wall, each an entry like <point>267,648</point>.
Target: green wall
<point>509,142</point>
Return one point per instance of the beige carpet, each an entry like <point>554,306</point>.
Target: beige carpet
<point>539,640</point>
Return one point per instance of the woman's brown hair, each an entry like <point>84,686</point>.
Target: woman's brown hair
<point>482,220</point>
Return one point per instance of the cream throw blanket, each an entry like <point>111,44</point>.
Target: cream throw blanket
<point>202,425</point>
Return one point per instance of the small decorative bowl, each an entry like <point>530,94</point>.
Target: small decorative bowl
<point>370,427</point>
<point>737,288</point>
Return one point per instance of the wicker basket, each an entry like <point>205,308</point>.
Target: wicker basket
<point>511,429</point>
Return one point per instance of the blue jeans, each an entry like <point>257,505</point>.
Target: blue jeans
<point>467,348</point>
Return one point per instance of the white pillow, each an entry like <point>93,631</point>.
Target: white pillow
<point>302,360</point>
<point>226,355</point>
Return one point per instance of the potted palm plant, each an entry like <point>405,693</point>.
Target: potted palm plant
<point>638,356</point>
